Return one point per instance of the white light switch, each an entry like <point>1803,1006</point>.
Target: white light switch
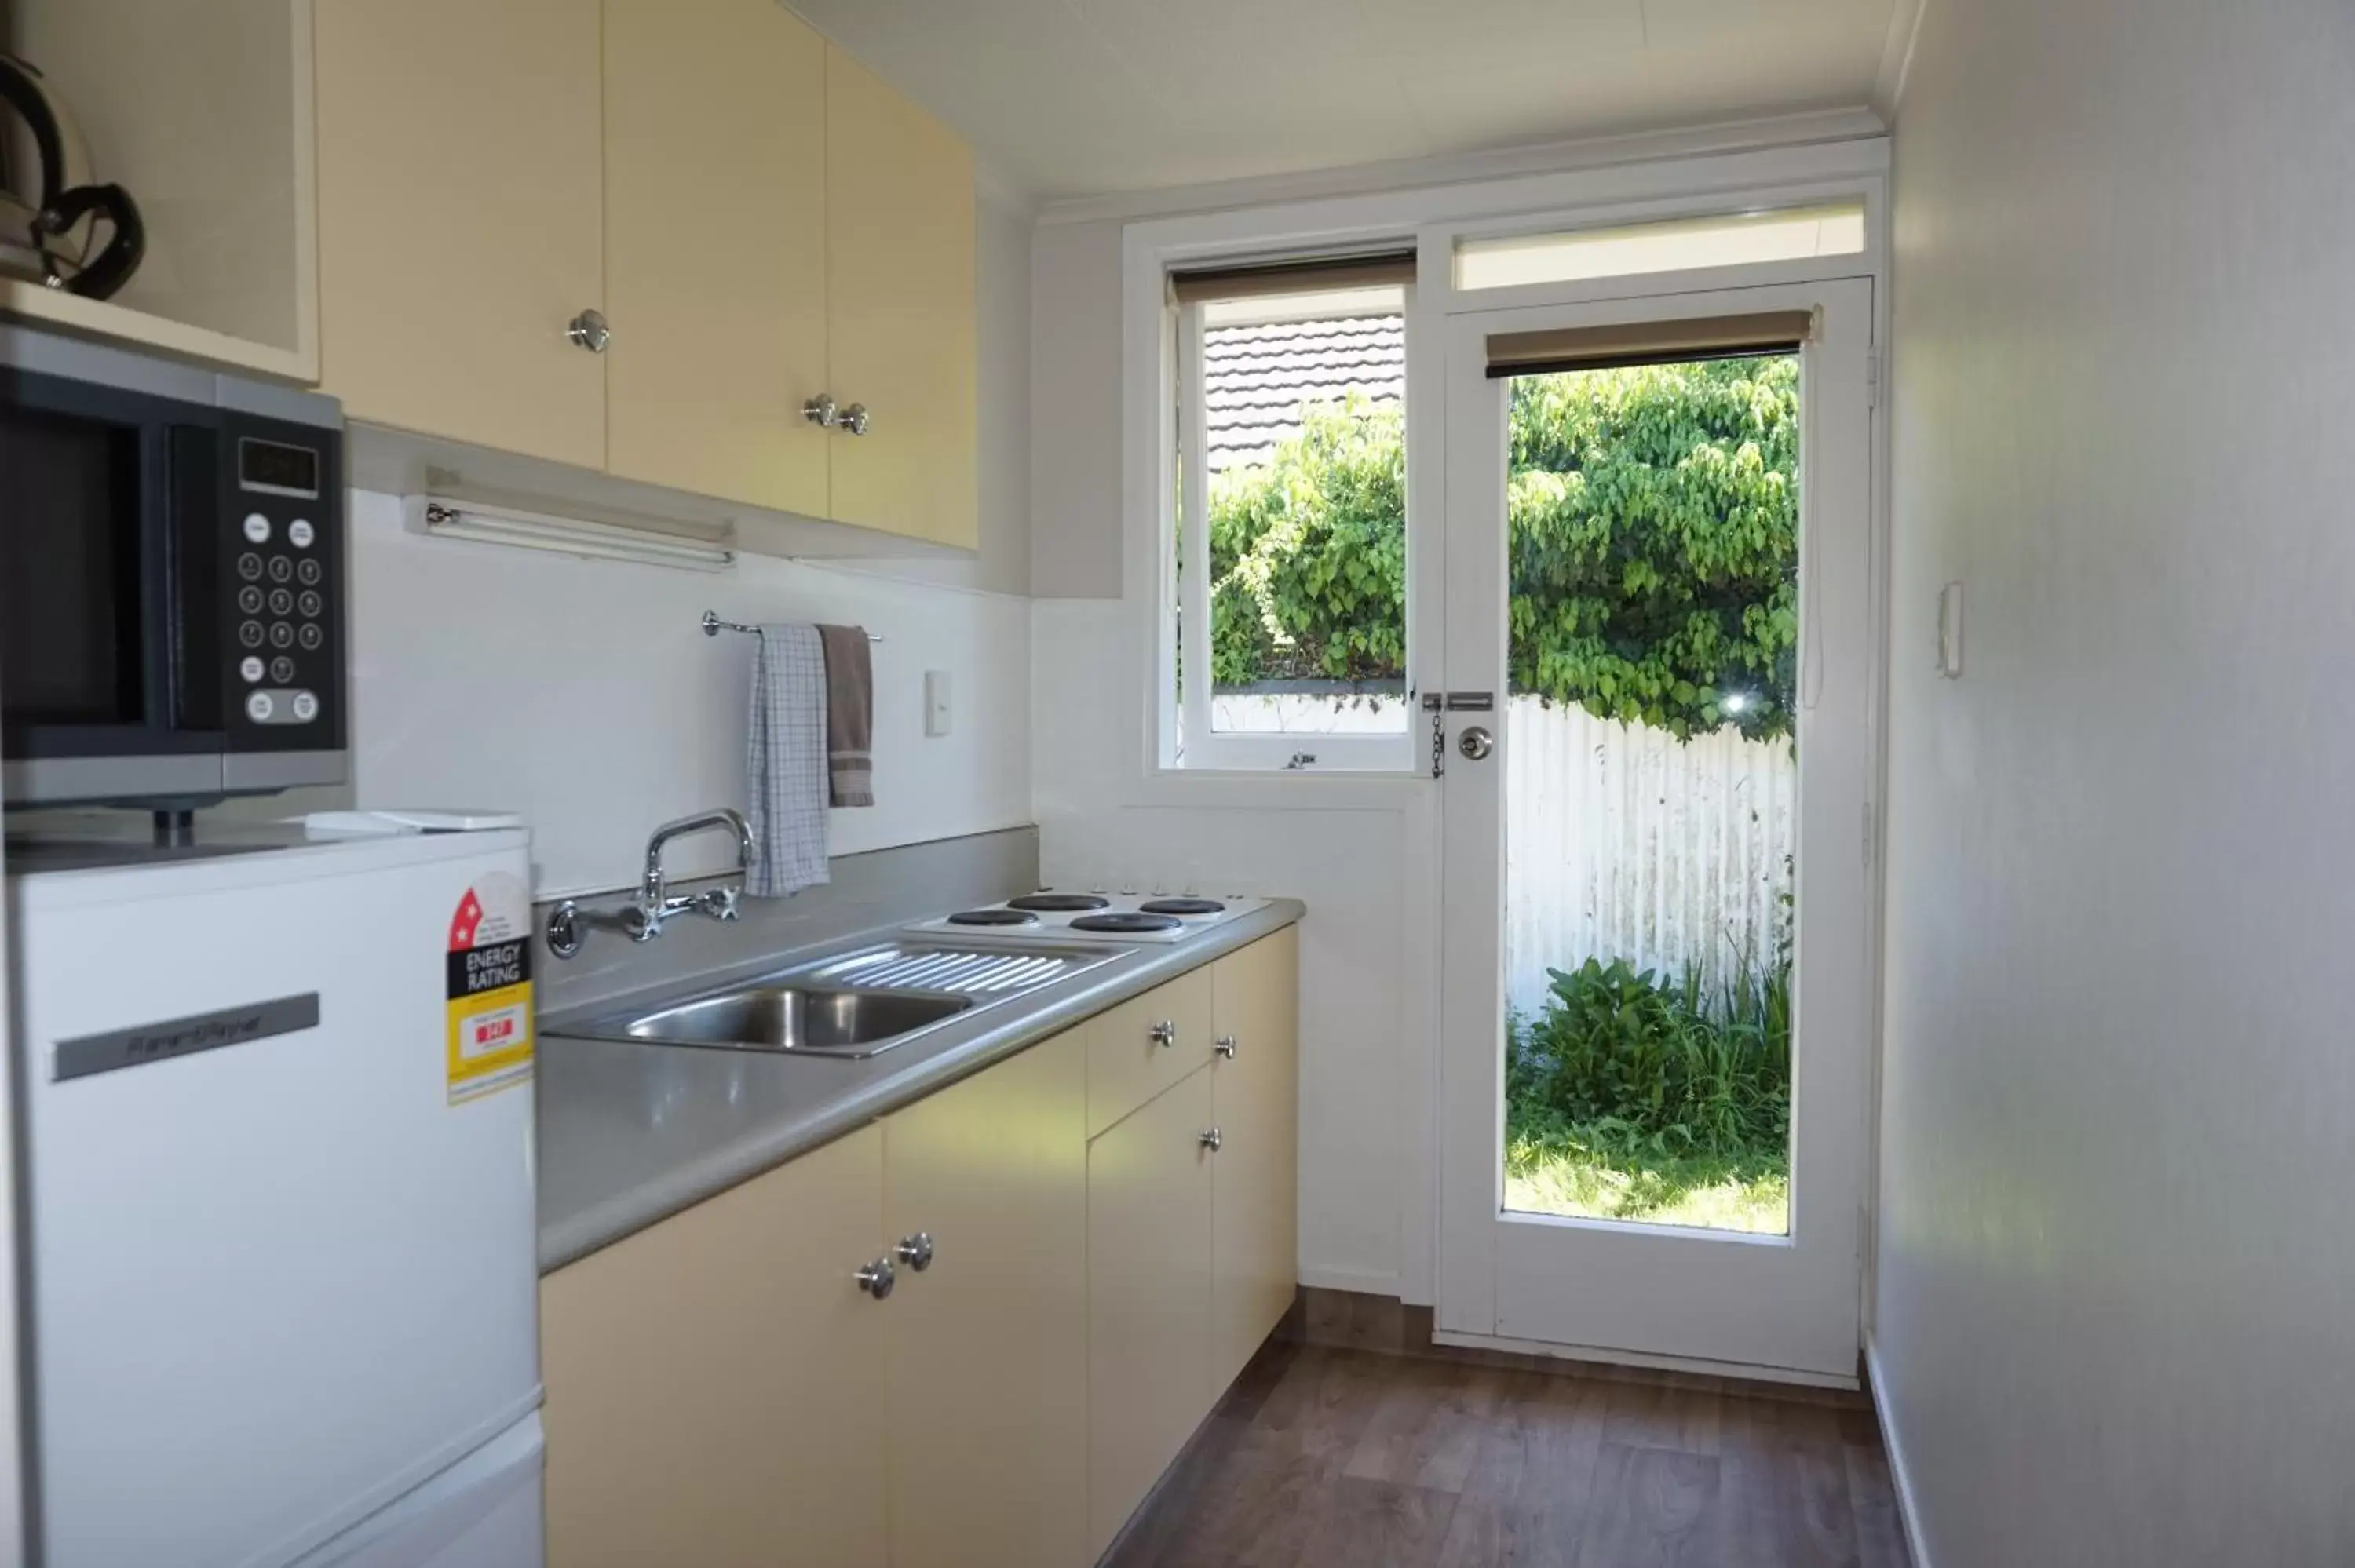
<point>936,702</point>
<point>1950,631</point>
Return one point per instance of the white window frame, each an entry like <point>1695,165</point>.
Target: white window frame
<point>1432,218</point>
<point>1187,528</point>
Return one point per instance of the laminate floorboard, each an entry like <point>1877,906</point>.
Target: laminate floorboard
<point>1324,1457</point>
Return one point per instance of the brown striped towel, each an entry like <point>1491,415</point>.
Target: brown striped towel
<point>850,716</point>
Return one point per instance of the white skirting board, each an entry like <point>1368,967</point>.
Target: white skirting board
<point>1900,1479</point>
<point>1350,1279</point>
<point>1641,1359</point>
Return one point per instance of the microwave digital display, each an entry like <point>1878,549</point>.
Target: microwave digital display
<point>277,469</point>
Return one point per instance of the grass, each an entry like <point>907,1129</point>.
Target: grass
<point>1560,1173</point>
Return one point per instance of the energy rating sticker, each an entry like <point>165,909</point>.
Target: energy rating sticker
<point>489,971</point>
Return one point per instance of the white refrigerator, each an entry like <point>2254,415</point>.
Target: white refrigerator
<point>278,1108</point>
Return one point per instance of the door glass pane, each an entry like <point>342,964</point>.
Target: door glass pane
<point>1651,792</point>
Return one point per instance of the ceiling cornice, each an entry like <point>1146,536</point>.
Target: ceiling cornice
<point>1852,125</point>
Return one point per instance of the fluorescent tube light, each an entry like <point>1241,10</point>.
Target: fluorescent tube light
<point>439,517</point>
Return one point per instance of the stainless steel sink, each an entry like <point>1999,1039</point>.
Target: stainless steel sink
<point>855,1005</point>
<point>790,1018</point>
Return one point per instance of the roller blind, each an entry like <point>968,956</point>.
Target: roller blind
<point>1310,275</point>
<point>1647,342</point>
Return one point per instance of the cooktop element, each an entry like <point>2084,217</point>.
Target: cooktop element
<point>1059,902</point>
<point>1127,921</point>
<point>1084,917</point>
<point>1180,906</point>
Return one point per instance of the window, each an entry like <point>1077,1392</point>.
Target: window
<point>1286,608</point>
<point>1728,239</point>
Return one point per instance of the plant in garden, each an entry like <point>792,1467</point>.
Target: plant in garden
<point>1308,554</point>
<point>1629,1059</point>
<point>1654,519</point>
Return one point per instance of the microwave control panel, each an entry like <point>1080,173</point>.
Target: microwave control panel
<point>281,571</point>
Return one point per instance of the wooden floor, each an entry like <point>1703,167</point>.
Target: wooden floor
<point>1322,1457</point>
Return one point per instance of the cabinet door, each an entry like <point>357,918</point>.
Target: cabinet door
<point>715,248</point>
<point>460,224</point>
<point>715,1383</point>
<point>1148,1298</point>
<point>987,1345</point>
<point>1256,1104</point>
<point>900,241</point>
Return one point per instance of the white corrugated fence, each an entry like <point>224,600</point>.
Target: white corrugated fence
<point>1621,841</point>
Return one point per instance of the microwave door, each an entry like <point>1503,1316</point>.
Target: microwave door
<point>86,613</point>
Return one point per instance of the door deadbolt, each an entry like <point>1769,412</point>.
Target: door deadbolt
<point>1474,742</point>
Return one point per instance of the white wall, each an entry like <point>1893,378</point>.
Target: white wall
<point>1075,436</point>
<point>1347,847</point>
<point>2116,1280</point>
<point>584,695</point>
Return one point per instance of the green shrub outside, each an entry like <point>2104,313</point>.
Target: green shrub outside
<point>1635,1061</point>
<point>1654,519</point>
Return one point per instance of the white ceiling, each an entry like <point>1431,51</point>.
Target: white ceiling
<point>1080,97</point>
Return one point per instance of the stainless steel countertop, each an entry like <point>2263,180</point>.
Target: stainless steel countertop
<point>632,1133</point>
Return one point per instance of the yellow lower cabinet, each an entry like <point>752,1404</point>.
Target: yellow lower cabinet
<point>1149,1384</point>
<point>716,1384</point>
<point>1255,1103</point>
<point>986,1330</point>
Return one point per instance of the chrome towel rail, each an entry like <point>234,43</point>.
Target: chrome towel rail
<point>713,626</point>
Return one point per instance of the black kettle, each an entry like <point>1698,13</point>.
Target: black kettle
<point>51,216</point>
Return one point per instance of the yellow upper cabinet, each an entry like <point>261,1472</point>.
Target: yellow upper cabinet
<point>756,221</point>
<point>461,225</point>
<point>899,292</point>
<point>715,249</point>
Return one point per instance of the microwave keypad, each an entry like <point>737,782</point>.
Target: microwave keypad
<point>281,610</point>
<point>282,706</point>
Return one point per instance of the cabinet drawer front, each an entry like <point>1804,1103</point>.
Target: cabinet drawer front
<point>1128,1064</point>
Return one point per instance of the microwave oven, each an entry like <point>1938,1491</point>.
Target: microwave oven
<point>172,580</point>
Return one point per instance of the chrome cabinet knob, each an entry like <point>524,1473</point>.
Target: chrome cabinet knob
<point>588,330</point>
<point>1475,743</point>
<point>877,1279</point>
<point>916,1251</point>
<point>1226,1046</point>
<point>1164,1032</point>
<point>1214,1140</point>
<point>823,411</point>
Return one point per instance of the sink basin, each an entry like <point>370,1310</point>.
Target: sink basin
<point>797,1018</point>
<point>855,1004</point>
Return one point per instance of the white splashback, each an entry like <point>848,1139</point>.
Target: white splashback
<point>585,696</point>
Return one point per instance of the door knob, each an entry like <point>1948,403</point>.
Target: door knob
<point>1226,1046</point>
<point>916,1251</point>
<point>854,419</point>
<point>1164,1032</point>
<point>588,330</point>
<point>1475,743</point>
<point>877,1279</point>
<point>1214,1140</point>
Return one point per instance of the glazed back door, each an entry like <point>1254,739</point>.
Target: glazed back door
<point>1657,741</point>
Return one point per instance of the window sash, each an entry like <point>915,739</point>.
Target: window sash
<point>1197,745</point>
